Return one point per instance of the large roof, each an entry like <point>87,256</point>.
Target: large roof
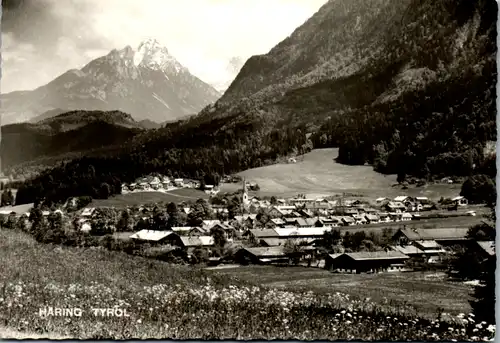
<point>407,250</point>
<point>376,255</point>
<point>488,246</point>
<point>197,241</point>
<point>276,251</point>
<point>261,233</point>
<point>151,235</point>
<point>435,234</point>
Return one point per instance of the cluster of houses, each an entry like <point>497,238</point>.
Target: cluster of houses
<point>164,183</point>
<point>418,245</point>
<point>262,233</point>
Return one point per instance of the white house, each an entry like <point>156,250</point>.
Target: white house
<point>460,201</point>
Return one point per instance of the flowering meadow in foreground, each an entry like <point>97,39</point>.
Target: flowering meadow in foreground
<point>216,312</point>
<point>171,301</point>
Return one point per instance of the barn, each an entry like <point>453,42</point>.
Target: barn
<point>263,255</point>
<point>366,262</point>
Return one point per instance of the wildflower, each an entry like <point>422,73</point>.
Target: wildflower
<point>491,328</point>
<point>139,321</point>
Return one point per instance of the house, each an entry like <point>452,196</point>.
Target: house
<point>179,182</point>
<point>384,217</point>
<point>422,200</point>
<point>486,249</point>
<point>257,234</point>
<point>460,201</point>
<point>229,231</point>
<point>86,227</point>
<point>155,237</point>
<point>190,243</point>
<point>199,231</point>
<point>182,230</point>
<point>406,217</point>
<point>276,212</point>
<point>440,235</point>
<point>208,188</point>
<point>347,221</point>
<point>261,255</point>
<point>432,250</point>
<point>395,207</point>
<point>207,224</point>
<point>409,250</point>
<point>329,221</point>
<point>380,201</point>
<point>360,219</point>
<point>366,262</point>
<point>372,218</point>
<point>402,198</point>
<point>88,212</point>
<point>277,222</point>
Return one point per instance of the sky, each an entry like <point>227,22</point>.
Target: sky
<point>42,39</point>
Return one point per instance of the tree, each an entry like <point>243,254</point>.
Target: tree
<point>7,198</point>
<point>104,190</point>
<point>479,189</point>
<point>219,236</point>
<point>294,248</point>
<point>124,222</point>
<point>173,215</point>
<point>483,305</point>
<point>331,239</point>
<point>160,219</point>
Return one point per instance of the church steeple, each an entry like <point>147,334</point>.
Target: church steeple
<point>245,201</point>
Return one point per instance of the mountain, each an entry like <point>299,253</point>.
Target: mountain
<point>147,82</point>
<point>405,85</point>
<point>228,73</point>
<point>70,132</point>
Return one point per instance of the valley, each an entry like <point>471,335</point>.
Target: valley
<point>341,186</point>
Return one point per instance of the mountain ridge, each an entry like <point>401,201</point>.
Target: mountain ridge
<point>421,103</point>
<point>157,88</point>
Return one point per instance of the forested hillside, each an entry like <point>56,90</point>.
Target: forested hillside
<point>405,85</point>
<point>70,132</point>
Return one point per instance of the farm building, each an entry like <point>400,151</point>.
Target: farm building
<point>156,237</point>
<point>486,249</point>
<point>263,255</point>
<point>409,250</point>
<point>198,241</point>
<point>460,201</point>
<point>277,222</point>
<point>366,262</point>
<point>441,235</point>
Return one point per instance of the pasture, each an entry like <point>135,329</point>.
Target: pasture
<point>317,174</point>
<point>426,293</point>
<point>141,198</point>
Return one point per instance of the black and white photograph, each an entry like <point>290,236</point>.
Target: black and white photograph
<point>248,170</point>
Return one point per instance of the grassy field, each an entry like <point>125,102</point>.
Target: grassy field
<point>317,174</point>
<point>141,198</point>
<point>165,301</point>
<point>421,291</point>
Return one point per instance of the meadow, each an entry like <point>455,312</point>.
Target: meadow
<point>181,302</point>
<point>426,294</point>
<point>141,198</point>
<point>318,174</point>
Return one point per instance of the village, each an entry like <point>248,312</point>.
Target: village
<point>338,234</point>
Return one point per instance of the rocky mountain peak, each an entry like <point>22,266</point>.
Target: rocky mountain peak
<point>153,55</point>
